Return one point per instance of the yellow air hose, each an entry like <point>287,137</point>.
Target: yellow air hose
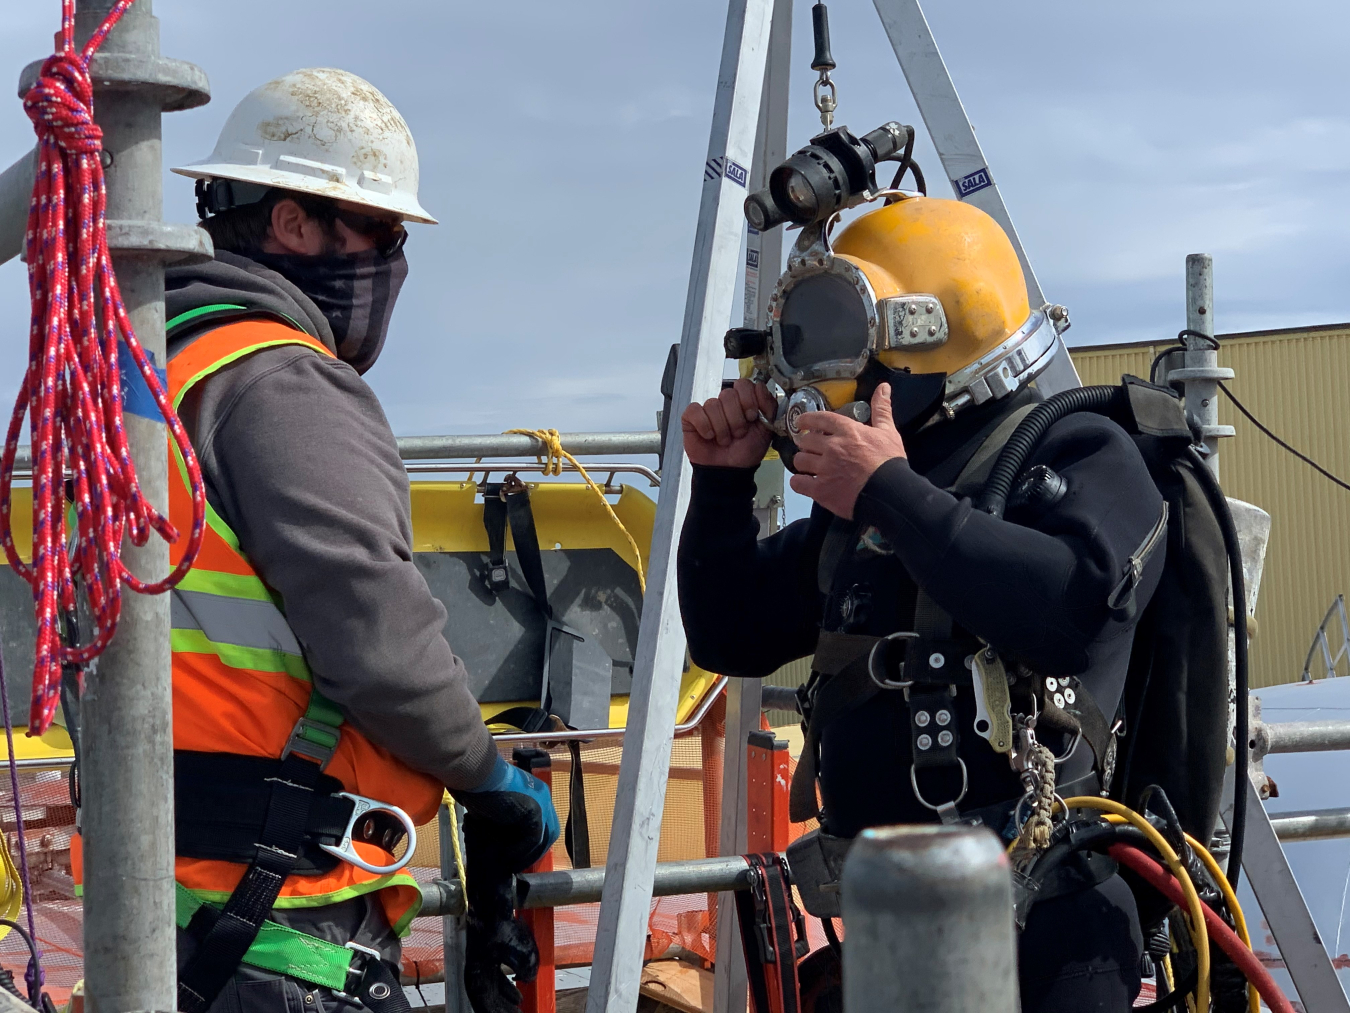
<point>1230,898</point>
<point>554,455</point>
<point>11,890</point>
<point>1196,920</point>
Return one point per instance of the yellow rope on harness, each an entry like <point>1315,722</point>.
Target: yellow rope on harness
<point>554,455</point>
<point>451,808</point>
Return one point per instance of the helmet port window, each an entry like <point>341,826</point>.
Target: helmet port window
<point>823,320</point>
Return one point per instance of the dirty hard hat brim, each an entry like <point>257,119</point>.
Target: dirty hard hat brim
<point>325,182</point>
<point>324,132</point>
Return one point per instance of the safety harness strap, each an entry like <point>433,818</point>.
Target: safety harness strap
<point>306,958</point>
<point>221,802</point>
<point>773,934</point>
<point>839,682</point>
<point>224,938</point>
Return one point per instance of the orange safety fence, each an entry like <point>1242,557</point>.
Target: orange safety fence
<point>684,926</point>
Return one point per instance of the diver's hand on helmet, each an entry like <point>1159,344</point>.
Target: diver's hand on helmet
<point>836,456</point>
<point>725,431</point>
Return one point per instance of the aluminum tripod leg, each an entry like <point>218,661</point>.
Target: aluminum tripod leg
<point>630,866</point>
<point>1286,912</point>
<point>954,138</point>
<point>763,263</point>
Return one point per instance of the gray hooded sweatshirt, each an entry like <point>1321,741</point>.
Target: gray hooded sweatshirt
<point>300,462</point>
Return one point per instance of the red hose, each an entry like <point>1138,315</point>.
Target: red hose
<point>1159,878</point>
<point>71,394</point>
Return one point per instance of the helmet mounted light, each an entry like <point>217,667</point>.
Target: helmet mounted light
<point>839,324</point>
<point>837,170</point>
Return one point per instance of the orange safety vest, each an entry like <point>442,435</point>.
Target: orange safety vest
<point>240,680</point>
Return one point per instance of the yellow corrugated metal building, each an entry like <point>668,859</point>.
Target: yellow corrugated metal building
<point>1297,382</point>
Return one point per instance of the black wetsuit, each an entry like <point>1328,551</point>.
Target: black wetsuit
<point>1033,585</point>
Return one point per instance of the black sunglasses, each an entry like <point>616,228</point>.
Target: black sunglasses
<point>388,236</point>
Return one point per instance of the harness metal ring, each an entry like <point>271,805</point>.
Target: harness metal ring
<point>360,807</point>
<point>914,784</point>
<point>880,677</point>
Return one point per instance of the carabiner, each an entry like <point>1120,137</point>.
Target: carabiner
<point>361,806</point>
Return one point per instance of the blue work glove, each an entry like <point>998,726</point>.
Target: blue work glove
<point>510,818</point>
<point>509,824</point>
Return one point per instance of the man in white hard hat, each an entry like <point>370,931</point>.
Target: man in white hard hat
<point>319,713</point>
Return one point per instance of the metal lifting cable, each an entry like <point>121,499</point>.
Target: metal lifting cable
<point>71,392</point>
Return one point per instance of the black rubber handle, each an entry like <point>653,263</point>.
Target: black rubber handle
<point>820,24</point>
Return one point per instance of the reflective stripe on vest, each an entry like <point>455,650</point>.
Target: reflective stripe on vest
<point>240,679</point>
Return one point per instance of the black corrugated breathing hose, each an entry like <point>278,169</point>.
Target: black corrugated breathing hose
<point>994,498</point>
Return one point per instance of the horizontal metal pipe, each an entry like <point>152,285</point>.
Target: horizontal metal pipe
<point>437,448</point>
<point>442,897</point>
<point>429,448</point>
<point>1311,824</point>
<point>584,886</point>
<point>1304,736</point>
<point>16,190</point>
<point>489,468</point>
<point>779,698</point>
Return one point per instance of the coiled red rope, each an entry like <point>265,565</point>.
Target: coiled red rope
<point>71,393</point>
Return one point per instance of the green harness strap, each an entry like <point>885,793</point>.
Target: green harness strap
<point>283,950</point>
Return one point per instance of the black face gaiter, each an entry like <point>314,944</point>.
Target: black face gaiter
<point>355,292</point>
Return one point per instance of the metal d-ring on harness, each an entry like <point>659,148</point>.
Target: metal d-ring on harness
<point>931,670</point>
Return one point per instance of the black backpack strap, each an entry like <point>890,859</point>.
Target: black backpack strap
<point>981,463</point>
<point>223,939</point>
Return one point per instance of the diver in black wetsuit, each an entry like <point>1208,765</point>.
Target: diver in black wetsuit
<point>894,546</point>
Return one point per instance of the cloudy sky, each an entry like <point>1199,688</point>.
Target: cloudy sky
<point>562,147</point>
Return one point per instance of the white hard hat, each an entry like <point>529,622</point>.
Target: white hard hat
<point>324,132</point>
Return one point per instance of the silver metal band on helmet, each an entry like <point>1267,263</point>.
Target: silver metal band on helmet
<point>1005,369</point>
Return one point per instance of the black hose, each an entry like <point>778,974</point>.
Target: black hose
<point>1241,730</point>
<point>907,164</point>
<point>1029,432</point>
<point>35,961</point>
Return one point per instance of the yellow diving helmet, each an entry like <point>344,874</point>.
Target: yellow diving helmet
<point>925,294</point>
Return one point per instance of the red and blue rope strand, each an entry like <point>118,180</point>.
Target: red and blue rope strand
<point>71,393</point>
